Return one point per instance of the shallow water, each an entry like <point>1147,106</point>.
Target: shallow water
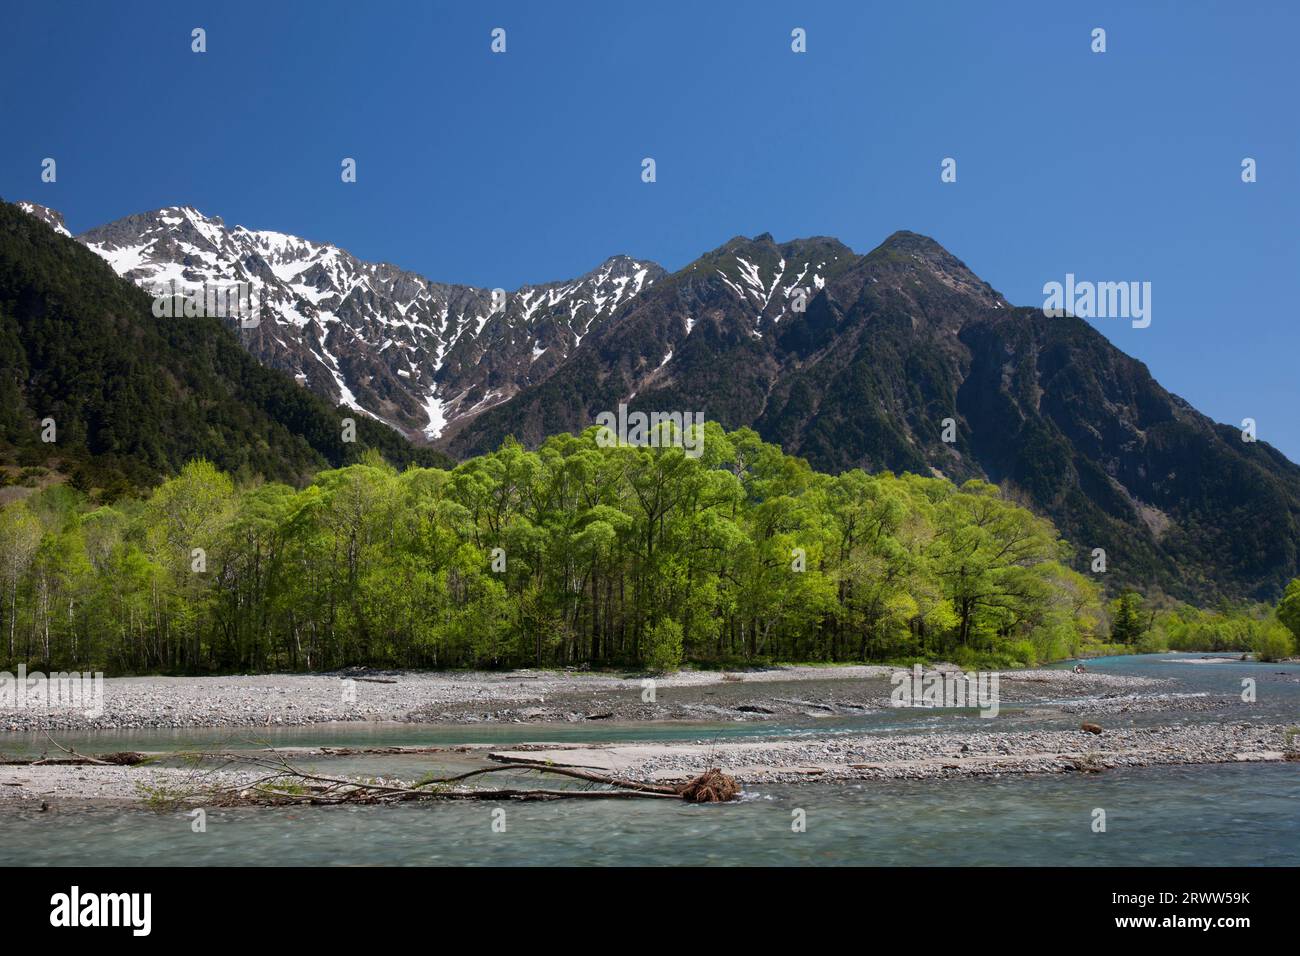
<point>1182,816</point>
<point>1277,687</point>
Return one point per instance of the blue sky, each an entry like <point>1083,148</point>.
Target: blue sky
<point>498,170</point>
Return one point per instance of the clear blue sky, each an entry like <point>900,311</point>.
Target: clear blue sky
<point>502,169</point>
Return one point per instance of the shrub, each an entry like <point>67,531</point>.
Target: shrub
<point>1152,642</point>
<point>663,646</point>
<point>1022,652</point>
<point>1272,642</point>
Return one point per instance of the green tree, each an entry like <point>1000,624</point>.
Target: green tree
<point>20,538</point>
<point>1126,625</point>
<point>1288,610</point>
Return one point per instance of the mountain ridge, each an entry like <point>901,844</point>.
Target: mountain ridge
<point>861,360</point>
<point>893,343</point>
<point>129,397</point>
<point>409,351</point>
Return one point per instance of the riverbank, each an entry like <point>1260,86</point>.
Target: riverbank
<point>924,756</point>
<point>62,786</point>
<point>771,726</point>
<point>285,700</point>
<point>877,757</point>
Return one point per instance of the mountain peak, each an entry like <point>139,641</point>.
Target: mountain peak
<point>51,217</point>
<point>905,240</point>
<point>190,213</point>
<point>621,265</point>
<point>908,249</point>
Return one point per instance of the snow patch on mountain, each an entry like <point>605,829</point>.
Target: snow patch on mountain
<point>414,353</point>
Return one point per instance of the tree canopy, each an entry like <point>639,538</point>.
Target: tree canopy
<point>572,554</point>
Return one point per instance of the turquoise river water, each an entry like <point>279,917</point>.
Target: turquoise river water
<point>1220,815</point>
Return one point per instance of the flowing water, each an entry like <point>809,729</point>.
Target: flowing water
<point>1239,814</point>
<point>1181,816</point>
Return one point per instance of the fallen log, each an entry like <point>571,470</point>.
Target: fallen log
<point>125,758</point>
<point>285,784</point>
<point>573,772</point>
<point>713,786</point>
<point>804,703</point>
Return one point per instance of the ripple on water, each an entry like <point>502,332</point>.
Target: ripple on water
<point>1228,815</point>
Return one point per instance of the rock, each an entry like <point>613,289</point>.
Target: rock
<point>1091,728</point>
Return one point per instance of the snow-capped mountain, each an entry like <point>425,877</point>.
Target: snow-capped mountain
<point>50,217</point>
<point>420,355</point>
<point>900,359</point>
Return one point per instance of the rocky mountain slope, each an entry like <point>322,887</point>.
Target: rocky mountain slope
<point>893,343</point>
<point>419,355</point>
<point>94,385</point>
<point>848,360</point>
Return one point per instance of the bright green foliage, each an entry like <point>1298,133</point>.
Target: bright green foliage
<point>1288,611</point>
<point>1256,628</point>
<point>1272,642</point>
<point>572,554</point>
<point>663,650</point>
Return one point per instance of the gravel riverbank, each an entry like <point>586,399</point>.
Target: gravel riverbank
<point>921,756</point>
<point>134,703</point>
<point>62,784</point>
<point>1044,735</point>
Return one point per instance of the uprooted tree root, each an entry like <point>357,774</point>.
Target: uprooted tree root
<point>712,786</point>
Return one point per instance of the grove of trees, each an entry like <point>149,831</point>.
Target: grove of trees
<point>573,554</point>
<point>570,555</point>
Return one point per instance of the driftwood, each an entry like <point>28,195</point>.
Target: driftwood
<point>573,772</point>
<point>283,784</point>
<point>288,785</point>
<point>73,759</point>
<point>77,761</point>
<point>804,703</point>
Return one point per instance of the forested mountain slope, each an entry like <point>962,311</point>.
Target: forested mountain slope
<point>133,397</point>
<point>894,342</point>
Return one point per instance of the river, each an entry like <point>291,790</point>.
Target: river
<point>1231,814</point>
